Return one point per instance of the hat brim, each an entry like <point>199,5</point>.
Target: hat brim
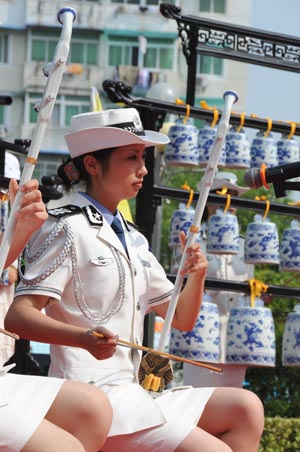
<point>93,139</point>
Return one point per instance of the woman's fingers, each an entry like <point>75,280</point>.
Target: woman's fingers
<point>13,188</point>
<point>102,343</point>
<point>195,260</point>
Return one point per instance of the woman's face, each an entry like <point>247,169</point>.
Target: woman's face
<point>122,177</point>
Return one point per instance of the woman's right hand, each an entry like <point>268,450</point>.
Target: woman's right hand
<point>32,211</point>
<point>101,343</point>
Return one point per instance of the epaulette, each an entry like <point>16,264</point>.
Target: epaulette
<point>64,211</point>
<point>93,216</point>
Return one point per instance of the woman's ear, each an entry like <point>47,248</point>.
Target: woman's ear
<point>91,165</point>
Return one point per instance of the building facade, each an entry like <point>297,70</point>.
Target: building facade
<point>127,40</point>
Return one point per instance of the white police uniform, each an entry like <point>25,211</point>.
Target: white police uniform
<point>223,267</point>
<point>79,261</point>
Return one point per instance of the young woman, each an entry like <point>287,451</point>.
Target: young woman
<point>39,413</point>
<point>78,270</point>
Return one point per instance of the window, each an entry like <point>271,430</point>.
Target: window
<point>42,49</point>
<point>3,48</point>
<point>1,114</point>
<point>141,2</point>
<point>64,108</point>
<point>212,6</point>
<point>47,164</point>
<point>83,51</point>
<point>209,65</point>
<point>154,53</point>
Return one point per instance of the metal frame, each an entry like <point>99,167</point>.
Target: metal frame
<point>222,39</point>
<point>152,113</point>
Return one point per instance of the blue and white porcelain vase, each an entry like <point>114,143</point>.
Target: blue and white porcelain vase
<point>203,343</point>
<point>263,149</point>
<point>206,138</point>
<point>287,150</point>
<point>291,339</point>
<point>261,242</point>
<point>237,149</point>
<point>290,248</point>
<point>181,220</point>
<point>223,235</point>
<point>251,337</point>
<point>182,150</point>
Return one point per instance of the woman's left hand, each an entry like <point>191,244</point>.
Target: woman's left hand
<point>196,261</point>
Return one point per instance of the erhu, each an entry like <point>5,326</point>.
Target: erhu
<point>152,365</point>
<point>54,71</point>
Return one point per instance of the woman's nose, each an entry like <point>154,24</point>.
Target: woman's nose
<point>143,170</point>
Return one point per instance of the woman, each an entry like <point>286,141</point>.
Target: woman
<point>78,270</point>
<point>39,413</point>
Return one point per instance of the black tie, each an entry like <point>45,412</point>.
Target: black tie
<point>117,227</point>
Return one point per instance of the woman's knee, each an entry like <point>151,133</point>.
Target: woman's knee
<point>96,407</point>
<point>231,408</point>
<point>252,410</point>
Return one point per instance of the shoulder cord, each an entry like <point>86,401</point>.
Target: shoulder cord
<point>77,283</point>
<point>61,225</point>
<point>78,292</point>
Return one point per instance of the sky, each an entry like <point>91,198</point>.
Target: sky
<point>271,92</point>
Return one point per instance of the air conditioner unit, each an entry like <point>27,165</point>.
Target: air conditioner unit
<point>121,9</point>
<point>203,80</point>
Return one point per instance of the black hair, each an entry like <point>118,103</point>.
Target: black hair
<point>73,170</point>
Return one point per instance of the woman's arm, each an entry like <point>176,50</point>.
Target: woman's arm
<point>29,217</point>
<point>190,299</point>
<point>25,318</point>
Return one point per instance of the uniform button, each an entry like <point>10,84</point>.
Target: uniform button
<point>138,307</point>
<point>136,340</point>
<point>134,272</point>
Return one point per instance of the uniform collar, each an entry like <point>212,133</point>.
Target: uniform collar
<point>105,212</point>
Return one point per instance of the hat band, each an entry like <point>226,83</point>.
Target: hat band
<point>129,127</point>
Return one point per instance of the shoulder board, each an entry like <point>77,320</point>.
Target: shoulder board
<point>64,211</point>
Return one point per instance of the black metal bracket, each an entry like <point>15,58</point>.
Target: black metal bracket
<point>179,194</point>
<point>244,287</point>
<point>222,39</point>
<point>19,146</point>
<point>120,92</point>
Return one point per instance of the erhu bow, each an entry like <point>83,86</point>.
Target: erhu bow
<point>54,71</point>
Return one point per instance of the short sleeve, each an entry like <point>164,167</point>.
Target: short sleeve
<point>48,264</point>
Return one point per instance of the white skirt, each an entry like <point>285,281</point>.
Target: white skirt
<point>180,410</point>
<point>24,401</point>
